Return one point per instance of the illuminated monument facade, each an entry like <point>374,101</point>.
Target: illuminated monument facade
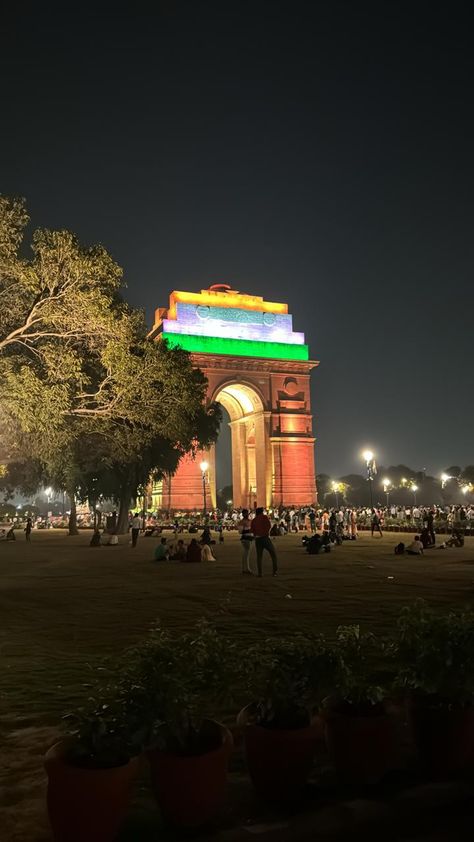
<point>258,368</point>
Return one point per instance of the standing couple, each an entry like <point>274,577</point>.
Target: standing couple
<point>258,528</point>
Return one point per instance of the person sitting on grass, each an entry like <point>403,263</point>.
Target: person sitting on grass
<point>95,540</point>
<point>193,553</point>
<point>10,535</point>
<point>162,552</point>
<point>206,553</point>
<point>180,551</point>
<point>416,547</point>
<point>456,540</point>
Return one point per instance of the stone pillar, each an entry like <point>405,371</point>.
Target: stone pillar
<point>263,458</point>
<point>294,479</point>
<point>239,462</point>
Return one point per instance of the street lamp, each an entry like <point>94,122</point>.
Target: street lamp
<point>386,487</point>
<point>371,471</point>
<point>336,487</point>
<point>204,467</point>
<point>444,479</point>
<point>414,488</point>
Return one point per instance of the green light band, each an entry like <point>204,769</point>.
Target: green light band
<point>236,347</point>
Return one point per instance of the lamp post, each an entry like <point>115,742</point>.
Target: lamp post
<point>335,490</point>
<point>371,471</point>
<point>204,466</point>
<point>414,488</point>
<point>386,487</point>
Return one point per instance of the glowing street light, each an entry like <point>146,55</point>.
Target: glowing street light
<point>387,484</point>
<point>444,479</point>
<point>204,468</point>
<point>369,459</point>
<point>414,488</point>
<point>336,487</point>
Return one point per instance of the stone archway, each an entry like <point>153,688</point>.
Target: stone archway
<point>249,442</point>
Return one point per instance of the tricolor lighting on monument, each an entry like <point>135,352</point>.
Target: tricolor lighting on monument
<point>220,320</point>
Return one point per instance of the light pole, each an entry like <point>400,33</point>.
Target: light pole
<point>335,490</point>
<point>386,487</point>
<point>204,466</point>
<point>414,488</point>
<point>371,471</point>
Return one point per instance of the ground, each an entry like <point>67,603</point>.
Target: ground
<point>64,607</point>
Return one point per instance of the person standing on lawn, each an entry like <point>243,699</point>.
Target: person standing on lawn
<point>28,530</point>
<point>376,523</point>
<point>246,538</point>
<point>261,526</point>
<point>135,529</point>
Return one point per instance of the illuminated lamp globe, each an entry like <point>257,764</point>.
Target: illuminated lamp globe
<point>444,477</point>
<point>414,488</point>
<point>204,466</point>
<point>368,455</point>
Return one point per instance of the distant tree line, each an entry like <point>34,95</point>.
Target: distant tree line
<point>405,486</point>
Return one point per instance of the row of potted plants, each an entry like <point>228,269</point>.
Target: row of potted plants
<point>350,692</point>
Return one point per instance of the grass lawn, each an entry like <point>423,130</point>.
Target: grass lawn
<point>64,607</point>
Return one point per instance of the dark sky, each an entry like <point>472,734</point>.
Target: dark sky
<point>315,153</point>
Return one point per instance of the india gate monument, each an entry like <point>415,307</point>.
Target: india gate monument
<point>258,369</point>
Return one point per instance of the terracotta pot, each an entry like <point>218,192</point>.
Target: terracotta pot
<point>444,736</point>
<point>280,761</point>
<point>86,805</point>
<point>362,748</point>
<point>191,789</point>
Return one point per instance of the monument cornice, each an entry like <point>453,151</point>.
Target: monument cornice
<point>254,364</point>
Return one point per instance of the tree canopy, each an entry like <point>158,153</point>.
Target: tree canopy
<point>85,392</point>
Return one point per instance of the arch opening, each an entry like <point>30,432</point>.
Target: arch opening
<point>249,451</point>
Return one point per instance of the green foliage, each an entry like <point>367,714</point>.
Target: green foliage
<point>364,668</point>
<point>288,678</point>
<point>179,681</point>
<point>436,652</point>
<point>85,392</point>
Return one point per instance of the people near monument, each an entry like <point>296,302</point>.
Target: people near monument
<point>246,538</point>
<point>206,553</point>
<point>135,525</point>
<point>375,523</point>
<point>416,547</point>
<point>162,552</point>
<point>261,526</point>
<point>28,529</point>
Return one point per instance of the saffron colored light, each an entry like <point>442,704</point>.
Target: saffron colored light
<point>224,299</point>
<point>236,347</point>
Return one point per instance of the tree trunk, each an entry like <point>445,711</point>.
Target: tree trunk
<point>124,508</point>
<point>73,530</point>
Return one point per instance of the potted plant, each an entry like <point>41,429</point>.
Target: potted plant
<point>91,771</point>
<point>186,678</point>
<point>436,664</point>
<point>287,678</point>
<point>360,731</point>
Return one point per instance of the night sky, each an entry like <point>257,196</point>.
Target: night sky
<point>319,154</point>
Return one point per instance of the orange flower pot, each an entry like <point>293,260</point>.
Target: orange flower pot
<point>191,789</point>
<point>86,804</point>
